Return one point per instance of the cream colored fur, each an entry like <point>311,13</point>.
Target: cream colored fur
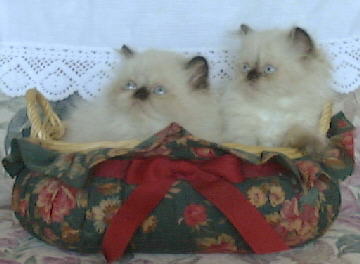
<point>118,116</point>
<point>291,98</point>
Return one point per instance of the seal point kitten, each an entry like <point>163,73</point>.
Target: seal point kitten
<point>281,86</point>
<point>152,89</point>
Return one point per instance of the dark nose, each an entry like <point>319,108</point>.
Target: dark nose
<point>253,75</point>
<point>142,93</point>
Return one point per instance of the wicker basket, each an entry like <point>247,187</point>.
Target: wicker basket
<point>47,130</point>
<point>87,178</point>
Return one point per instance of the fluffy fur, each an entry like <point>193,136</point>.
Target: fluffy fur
<point>120,115</point>
<point>281,85</point>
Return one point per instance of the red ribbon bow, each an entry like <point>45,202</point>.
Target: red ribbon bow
<point>212,178</point>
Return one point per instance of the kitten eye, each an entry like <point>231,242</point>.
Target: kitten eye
<point>159,90</point>
<point>245,67</point>
<point>131,85</point>
<point>269,69</point>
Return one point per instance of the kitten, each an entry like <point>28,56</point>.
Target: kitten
<point>279,91</point>
<point>152,89</point>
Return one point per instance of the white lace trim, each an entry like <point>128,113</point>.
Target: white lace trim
<point>59,71</point>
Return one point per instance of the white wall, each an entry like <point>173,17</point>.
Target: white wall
<point>170,24</point>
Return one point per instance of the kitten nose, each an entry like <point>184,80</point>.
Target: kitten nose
<point>142,93</point>
<point>253,75</point>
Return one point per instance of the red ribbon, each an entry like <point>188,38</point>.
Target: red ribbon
<point>212,178</point>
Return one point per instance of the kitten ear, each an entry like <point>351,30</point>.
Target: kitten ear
<point>199,72</point>
<point>245,29</point>
<point>126,52</point>
<point>302,40</point>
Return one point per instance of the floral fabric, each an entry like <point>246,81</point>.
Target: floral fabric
<point>57,200</point>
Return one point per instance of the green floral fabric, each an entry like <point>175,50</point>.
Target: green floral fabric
<point>56,198</point>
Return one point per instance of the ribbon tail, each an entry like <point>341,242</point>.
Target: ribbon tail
<point>141,202</point>
<point>248,221</point>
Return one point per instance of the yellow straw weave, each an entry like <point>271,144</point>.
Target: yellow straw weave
<point>47,129</point>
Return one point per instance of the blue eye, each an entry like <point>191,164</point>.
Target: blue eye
<point>159,90</point>
<point>269,69</point>
<point>131,85</point>
<point>245,67</point>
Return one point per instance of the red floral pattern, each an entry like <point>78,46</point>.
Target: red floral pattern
<point>347,140</point>
<point>309,171</point>
<point>204,152</point>
<point>297,226</point>
<point>55,200</point>
<point>23,207</point>
<point>159,150</point>
<point>195,215</point>
<point>49,234</point>
<point>342,124</point>
<point>222,244</point>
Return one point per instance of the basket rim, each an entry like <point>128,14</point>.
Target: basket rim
<point>48,132</point>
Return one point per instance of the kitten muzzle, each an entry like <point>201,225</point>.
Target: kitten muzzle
<point>253,75</point>
<point>142,93</point>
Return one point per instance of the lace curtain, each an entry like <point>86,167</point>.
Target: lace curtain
<point>59,71</point>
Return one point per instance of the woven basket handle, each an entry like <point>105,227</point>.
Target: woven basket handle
<point>45,123</point>
<point>325,119</point>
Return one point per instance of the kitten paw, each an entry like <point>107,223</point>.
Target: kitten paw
<point>307,142</point>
